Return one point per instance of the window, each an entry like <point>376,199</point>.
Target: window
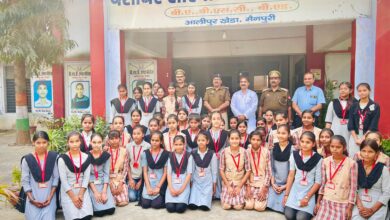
<point>10,90</point>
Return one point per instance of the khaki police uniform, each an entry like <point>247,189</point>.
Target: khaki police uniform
<point>278,100</point>
<point>216,97</point>
<point>181,91</point>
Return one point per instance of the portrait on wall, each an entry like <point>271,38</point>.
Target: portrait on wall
<point>42,94</point>
<point>80,94</point>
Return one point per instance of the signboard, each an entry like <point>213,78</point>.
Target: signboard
<point>140,71</point>
<point>78,88</point>
<point>42,92</point>
<point>143,14</point>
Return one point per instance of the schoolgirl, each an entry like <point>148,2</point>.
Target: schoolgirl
<point>122,105</point>
<point>173,131</point>
<point>87,124</point>
<point>154,125</point>
<point>324,144</point>
<point>136,116</point>
<point>182,116</point>
<point>242,128</point>
<point>191,101</point>
<point>117,125</point>
<point>192,132</point>
<point>171,101</point>
<point>307,125</point>
<point>281,118</point>
<point>233,122</point>
<point>147,104</point>
<point>205,123</point>
<point>382,157</point>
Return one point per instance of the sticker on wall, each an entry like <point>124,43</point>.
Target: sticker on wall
<point>78,89</point>
<point>139,72</point>
<point>42,92</point>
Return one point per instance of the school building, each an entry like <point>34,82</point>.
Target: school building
<point>131,41</point>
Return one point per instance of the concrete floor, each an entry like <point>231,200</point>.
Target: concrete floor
<point>10,156</point>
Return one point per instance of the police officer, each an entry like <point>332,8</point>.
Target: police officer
<point>181,85</point>
<point>217,98</point>
<point>275,98</point>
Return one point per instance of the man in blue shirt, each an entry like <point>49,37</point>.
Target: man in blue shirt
<point>308,97</point>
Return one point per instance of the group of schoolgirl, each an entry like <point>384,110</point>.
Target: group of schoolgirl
<point>301,173</point>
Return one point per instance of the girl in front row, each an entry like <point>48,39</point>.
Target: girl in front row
<point>260,174</point>
<point>99,190</point>
<point>118,169</point>
<point>304,180</point>
<point>180,166</point>
<point>280,155</point>
<point>74,168</point>
<point>235,170</point>
<point>154,165</point>
<point>204,178</point>
<point>339,183</point>
<point>373,184</point>
<point>40,179</point>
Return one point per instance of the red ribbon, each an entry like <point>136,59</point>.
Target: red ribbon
<point>43,170</point>
<point>74,167</point>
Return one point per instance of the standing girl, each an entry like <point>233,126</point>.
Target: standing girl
<point>304,179</point>
<point>99,190</point>
<point>260,174</point>
<point>192,132</point>
<point>307,125</point>
<point>118,125</point>
<point>134,150</point>
<point>154,165</point>
<point>218,141</point>
<point>74,168</point>
<point>87,123</point>
<point>136,116</point>
<point>160,96</point>
<point>324,147</point>
<point>364,117</point>
<point>242,128</point>
<point>373,183</point>
<point>182,116</point>
<point>337,114</point>
<point>154,125</point>
<point>137,93</point>
<point>339,183</point>
<point>280,155</point>
<point>171,102</point>
<point>180,166</point>
<point>204,178</point>
<point>269,120</point>
<point>234,169</point>
<point>40,179</point>
<point>123,105</point>
<point>205,123</point>
<point>118,169</point>
<point>233,122</point>
<point>147,104</point>
<point>172,121</point>
<point>156,86</point>
<point>191,101</point>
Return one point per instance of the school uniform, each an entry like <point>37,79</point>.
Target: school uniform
<point>372,189</point>
<point>129,129</point>
<point>178,176</point>
<point>280,166</point>
<point>273,138</point>
<point>100,175</point>
<point>148,107</point>
<point>168,141</point>
<point>135,151</point>
<point>156,163</point>
<point>308,172</point>
<point>72,179</point>
<point>260,177</point>
<point>191,139</point>
<point>40,186</point>
<point>234,174</point>
<point>339,185</point>
<point>362,119</point>
<point>192,106</point>
<point>124,140</point>
<point>245,142</point>
<point>123,108</point>
<point>338,115</point>
<point>118,174</point>
<point>203,178</point>
<point>297,133</point>
<point>85,141</point>
<point>218,141</point>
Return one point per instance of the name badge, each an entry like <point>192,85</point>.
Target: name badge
<point>330,185</point>
<point>113,175</point>
<point>97,182</point>
<point>360,126</point>
<point>366,198</point>
<point>42,185</point>
<point>135,165</point>
<point>152,176</point>
<point>177,181</point>
<point>202,173</point>
<point>303,182</point>
<point>77,185</point>
<point>256,178</point>
<point>343,122</point>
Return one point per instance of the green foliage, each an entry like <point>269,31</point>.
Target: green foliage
<point>59,128</point>
<point>33,31</point>
<point>16,176</point>
<point>386,146</point>
<point>329,96</point>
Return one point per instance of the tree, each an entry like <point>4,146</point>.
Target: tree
<point>32,33</point>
